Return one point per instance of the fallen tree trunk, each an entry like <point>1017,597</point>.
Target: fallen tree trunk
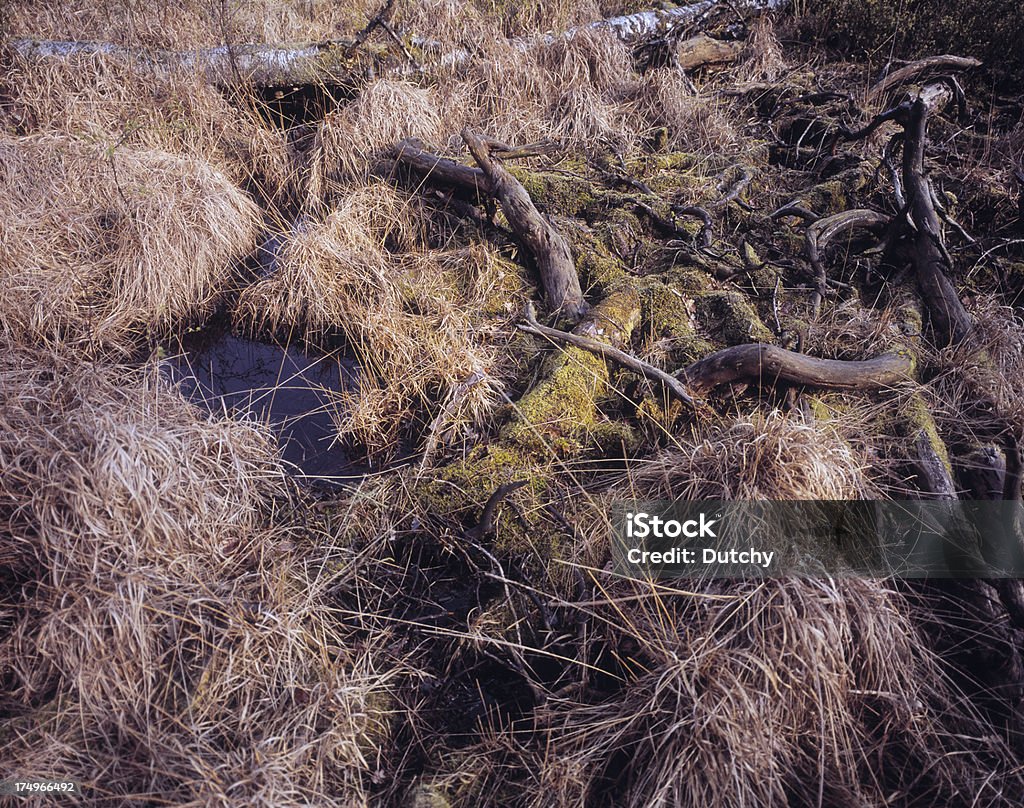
<point>469,181</point>
<point>336,62</point>
<point>549,248</point>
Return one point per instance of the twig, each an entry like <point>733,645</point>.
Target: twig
<point>672,384</point>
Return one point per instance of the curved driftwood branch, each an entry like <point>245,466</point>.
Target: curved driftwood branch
<point>606,351</point>
<point>821,231</point>
<point>759,363</point>
<point>920,67</point>
<point>549,248</point>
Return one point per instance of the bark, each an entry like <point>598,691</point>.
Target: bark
<point>759,363</point>
<point>410,153</point>
<point>949,318</point>
<point>550,250</point>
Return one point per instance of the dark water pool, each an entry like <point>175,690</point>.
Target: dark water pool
<point>293,391</point>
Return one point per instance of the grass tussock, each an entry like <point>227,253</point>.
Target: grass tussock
<point>774,456</point>
<point>350,141</point>
<point>753,694</point>
<point>114,104</point>
<point>184,24</point>
<point>101,246</point>
<point>410,318</point>
<point>164,640</point>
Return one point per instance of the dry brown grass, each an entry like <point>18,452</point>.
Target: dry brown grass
<point>754,694</point>
<point>101,245</point>
<point>188,24</point>
<point>350,141</point>
<point>112,103</point>
<point>411,319</point>
<point>167,640</point>
<point>774,456</point>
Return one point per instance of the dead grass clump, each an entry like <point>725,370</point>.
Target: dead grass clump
<point>789,692</point>
<point>350,141</point>
<point>977,385</point>
<point>413,330</point>
<point>100,245</point>
<point>186,24</point>
<point>695,123</point>
<point>109,101</point>
<point>762,57</point>
<point>572,89</point>
<point>165,641</point>
<point>773,457</point>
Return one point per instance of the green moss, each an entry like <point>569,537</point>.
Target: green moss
<point>428,796</point>
<point>560,410</point>
<point>567,194</point>
<point>669,313</point>
<point>731,319</point>
<point>599,269</point>
<point>915,418</point>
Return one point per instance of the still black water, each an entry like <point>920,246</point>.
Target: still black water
<point>293,391</point>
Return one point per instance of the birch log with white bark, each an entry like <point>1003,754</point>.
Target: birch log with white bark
<point>335,62</point>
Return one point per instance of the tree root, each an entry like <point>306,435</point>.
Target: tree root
<point>822,231</point>
<point>918,68</point>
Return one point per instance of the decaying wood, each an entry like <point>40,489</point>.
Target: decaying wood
<point>438,170</point>
<point>949,318</point>
<point>606,351</point>
<point>701,50</point>
<point>919,68</point>
<point>760,363</point>
<point>549,248</point>
<point>822,231</point>
<point>932,471</point>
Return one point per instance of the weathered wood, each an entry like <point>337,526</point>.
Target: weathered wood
<point>822,231</point>
<point>441,170</point>
<point>760,363</point>
<point>701,50</point>
<point>550,250</point>
<point>914,69</point>
<point>949,318</point>
<point>608,351</point>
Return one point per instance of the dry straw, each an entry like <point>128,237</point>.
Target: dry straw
<point>100,245</point>
<point>165,640</point>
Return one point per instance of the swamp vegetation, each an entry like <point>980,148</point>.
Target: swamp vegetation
<point>331,335</point>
